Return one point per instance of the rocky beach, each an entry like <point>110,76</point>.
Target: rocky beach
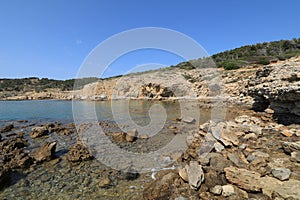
<point>254,153</point>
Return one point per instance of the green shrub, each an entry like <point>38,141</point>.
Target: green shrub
<point>263,61</point>
<point>229,65</point>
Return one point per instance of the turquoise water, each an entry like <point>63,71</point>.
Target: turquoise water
<point>62,110</point>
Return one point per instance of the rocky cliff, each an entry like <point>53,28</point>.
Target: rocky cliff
<point>277,86</point>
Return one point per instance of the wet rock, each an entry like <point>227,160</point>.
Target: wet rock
<point>217,190</point>
<point>38,132</point>
<point>143,136</point>
<point>118,136</point>
<point>195,174</point>
<point>4,177</point>
<point>295,157</point>
<point>289,147</point>
<point>281,173</point>
<point>45,153</point>
<point>105,182</point>
<point>188,120</point>
<point>79,152</point>
<point>162,188</point>
<point>247,180</point>
<point>7,128</point>
<point>131,135</point>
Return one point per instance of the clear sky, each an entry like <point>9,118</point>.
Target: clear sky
<point>51,38</point>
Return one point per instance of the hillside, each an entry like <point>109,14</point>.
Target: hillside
<point>247,56</point>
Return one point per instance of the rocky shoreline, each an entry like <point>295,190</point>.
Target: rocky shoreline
<point>253,155</point>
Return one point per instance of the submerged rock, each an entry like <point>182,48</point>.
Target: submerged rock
<point>105,182</point>
<point>7,128</point>
<point>4,177</point>
<point>131,135</point>
<point>45,153</point>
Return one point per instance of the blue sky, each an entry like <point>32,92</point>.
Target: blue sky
<point>51,38</point>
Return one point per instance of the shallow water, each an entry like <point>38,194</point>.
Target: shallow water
<point>61,180</point>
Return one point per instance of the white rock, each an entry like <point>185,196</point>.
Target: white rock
<point>195,174</point>
<point>217,190</point>
<point>281,173</point>
<point>228,190</point>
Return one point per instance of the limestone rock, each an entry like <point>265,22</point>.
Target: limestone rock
<point>217,190</point>
<point>188,120</point>
<point>195,174</point>
<point>79,152</point>
<point>289,147</point>
<point>7,128</point>
<point>281,173</point>
<point>46,152</point>
<point>295,157</point>
<point>131,135</point>
<point>243,178</point>
<point>228,190</point>
<point>38,132</point>
<point>183,174</point>
<point>105,182</point>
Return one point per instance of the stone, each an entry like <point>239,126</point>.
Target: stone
<point>281,173</point>
<point>45,153</point>
<point>295,157</point>
<point>4,177</point>
<point>286,189</point>
<point>118,136</point>
<point>218,147</point>
<point>218,162</point>
<point>228,190</point>
<point>79,152</point>
<point>162,187</point>
<point>188,120</point>
<point>250,136</point>
<point>38,131</point>
<point>287,133</point>
<point>247,180</point>
<point>144,136</point>
<point>237,158</point>
<point>181,198</point>
<point>105,182</point>
<point>195,174</point>
<point>217,190</point>
<point>269,111</point>
<point>131,135</point>
<point>183,174</point>
<point>7,128</point>
<point>289,147</point>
